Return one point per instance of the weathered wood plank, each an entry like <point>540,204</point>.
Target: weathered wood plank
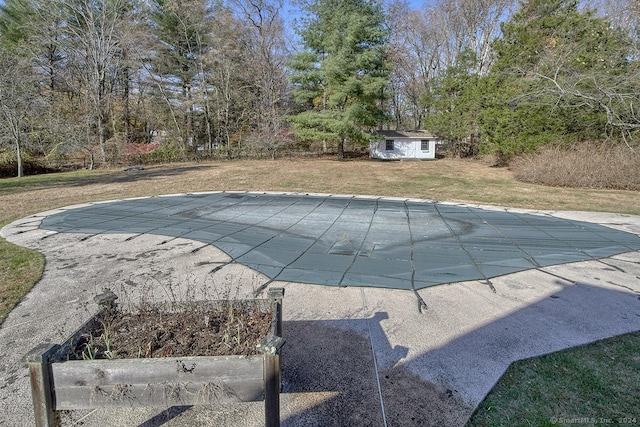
<point>200,392</point>
<point>84,384</point>
<point>155,370</point>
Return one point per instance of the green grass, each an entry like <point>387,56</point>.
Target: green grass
<point>593,384</point>
<point>20,269</point>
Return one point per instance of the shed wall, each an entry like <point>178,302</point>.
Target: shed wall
<point>403,148</point>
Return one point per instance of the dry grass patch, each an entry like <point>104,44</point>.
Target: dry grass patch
<point>587,165</point>
<point>450,180</point>
<point>453,180</point>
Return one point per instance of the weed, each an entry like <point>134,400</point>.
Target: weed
<point>89,352</point>
<point>118,393</point>
<point>97,347</point>
<point>107,343</point>
<point>172,392</point>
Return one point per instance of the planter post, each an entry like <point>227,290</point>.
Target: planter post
<point>276,295</point>
<point>270,347</point>
<point>40,377</point>
<point>271,390</point>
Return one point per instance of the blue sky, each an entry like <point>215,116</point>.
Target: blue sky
<point>415,4</point>
<point>290,9</point>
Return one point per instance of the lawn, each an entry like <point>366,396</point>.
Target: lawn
<point>532,392</point>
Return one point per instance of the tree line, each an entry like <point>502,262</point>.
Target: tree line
<point>168,79</point>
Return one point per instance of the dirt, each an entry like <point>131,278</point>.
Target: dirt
<point>221,329</point>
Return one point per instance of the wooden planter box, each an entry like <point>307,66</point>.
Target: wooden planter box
<point>60,384</point>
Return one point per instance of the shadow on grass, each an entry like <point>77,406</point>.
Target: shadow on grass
<point>83,179</point>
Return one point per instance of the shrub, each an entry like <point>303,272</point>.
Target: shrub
<point>166,153</point>
<point>137,152</point>
<point>584,165</point>
<point>30,165</point>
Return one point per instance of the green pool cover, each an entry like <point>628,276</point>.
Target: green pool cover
<point>355,241</point>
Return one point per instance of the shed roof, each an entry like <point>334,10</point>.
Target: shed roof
<point>405,134</point>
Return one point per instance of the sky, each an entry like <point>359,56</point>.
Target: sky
<point>290,11</point>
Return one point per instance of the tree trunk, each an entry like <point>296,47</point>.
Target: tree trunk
<point>102,137</point>
<point>14,127</point>
<point>127,106</point>
<point>90,165</point>
<point>19,157</point>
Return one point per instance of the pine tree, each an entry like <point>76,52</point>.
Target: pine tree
<point>182,32</point>
<point>341,75</point>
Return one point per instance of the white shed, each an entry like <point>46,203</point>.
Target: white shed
<point>394,144</point>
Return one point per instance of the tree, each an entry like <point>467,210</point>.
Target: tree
<point>430,44</point>
<point>549,56</point>
<point>19,100</point>
<point>414,50</point>
<point>457,101</point>
<point>265,64</point>
<point>182,32</point>
<point>625,15</point>
<point>341,74</point>
<point>31,31</point>
<point>95,36</point>
<point>464,26</point>
<point>228,75</point>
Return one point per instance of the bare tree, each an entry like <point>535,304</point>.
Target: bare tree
<point>182,32</point>
<point>415,52</point>
<point>19,103</point>
<point>226,74</point>
<point>472,25</point>
<point>95,32</point>
<point>425,43</point>
<point>34,31</point>
<point>265,62</point>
